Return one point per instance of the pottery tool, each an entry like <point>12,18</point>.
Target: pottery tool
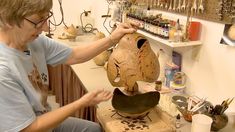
<point>201,7</point>
<point>194,7</point>
<point>217,110</point>
<point>198,105</point>
<point>183,7</point>
<point>225,104</point>
<point>197,108</point>
<point>189,104</point>
<point>179,6</point>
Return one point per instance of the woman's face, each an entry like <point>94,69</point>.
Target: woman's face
<point>32,26</point>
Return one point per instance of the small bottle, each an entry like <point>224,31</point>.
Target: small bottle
<point>178,35</point>
<point>177,121</point>
<point>166,31</point>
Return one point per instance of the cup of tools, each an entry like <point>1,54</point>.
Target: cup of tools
<point>220,119</point>
<point>219,122</point>
<point>194,106</point>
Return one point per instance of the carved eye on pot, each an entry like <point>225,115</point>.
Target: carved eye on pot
<point>140,42</point>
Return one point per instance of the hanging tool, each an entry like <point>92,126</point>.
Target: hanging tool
<point>194,7</point>
<point>174,5</point>
<point>179,6</point>
<point>171,5</point>
<point>158,3</point>
<point>166,4</point>
<point>201,7</point>
<point>219,10</point>
<point>232,12</point>
<point>225,104</point>
<point>183,7</point>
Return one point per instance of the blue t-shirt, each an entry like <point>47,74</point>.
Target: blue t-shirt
<point>24,81</point>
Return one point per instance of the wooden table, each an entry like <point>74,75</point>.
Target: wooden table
<point>156,120</point>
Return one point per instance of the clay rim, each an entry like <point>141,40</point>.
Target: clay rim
<point>136,104</point>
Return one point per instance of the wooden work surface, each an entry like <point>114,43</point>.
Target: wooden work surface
<point>113,122</point>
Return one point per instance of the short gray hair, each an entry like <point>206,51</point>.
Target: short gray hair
<point>13,12</point>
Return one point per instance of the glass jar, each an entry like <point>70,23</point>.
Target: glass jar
<point>171,34</point>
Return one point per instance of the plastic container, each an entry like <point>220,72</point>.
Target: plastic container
<point>194,31</point>
<point>201,123</point>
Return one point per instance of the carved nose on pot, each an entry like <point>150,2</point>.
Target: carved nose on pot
<point>141,42</point>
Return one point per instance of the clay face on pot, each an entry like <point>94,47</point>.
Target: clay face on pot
<point>132,60</point>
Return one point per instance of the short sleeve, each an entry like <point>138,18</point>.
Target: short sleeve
<point>16,112</point>
<point>55,52</point>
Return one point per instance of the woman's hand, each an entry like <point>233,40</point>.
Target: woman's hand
<point>122,29</point>
<point>95,97</point>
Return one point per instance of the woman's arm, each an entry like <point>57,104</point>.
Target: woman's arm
<point>52,119</point>
<point>86,52</point>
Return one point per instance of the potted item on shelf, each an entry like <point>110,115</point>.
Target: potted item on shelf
<point>103,57</point>
<point>178,82</point>
<point>69,33</point>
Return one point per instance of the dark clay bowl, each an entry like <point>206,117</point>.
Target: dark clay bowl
<point>135,105</point>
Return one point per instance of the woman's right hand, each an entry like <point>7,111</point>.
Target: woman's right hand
<point>122,29</point>
<point>95,97</point>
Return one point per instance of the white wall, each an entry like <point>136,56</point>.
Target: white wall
<point>210,74</point>
<point>73,9</point>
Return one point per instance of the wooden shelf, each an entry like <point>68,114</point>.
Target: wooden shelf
<point>166,42</point>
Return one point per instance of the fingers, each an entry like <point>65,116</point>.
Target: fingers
<point>130,25</point>
<point>134,24</point>
<point>97,91</point>
<point>106,95</point>
<point>130,30</point>
<point>102,95</point>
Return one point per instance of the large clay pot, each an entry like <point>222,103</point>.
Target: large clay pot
<point>132,60</point>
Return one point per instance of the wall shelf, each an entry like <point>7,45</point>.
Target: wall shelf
<point>166,42</point>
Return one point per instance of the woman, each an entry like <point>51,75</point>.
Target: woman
<point>24,56</point>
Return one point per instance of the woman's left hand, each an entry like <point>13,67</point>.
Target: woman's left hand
<point>122,29</point>
<point>95,97</point>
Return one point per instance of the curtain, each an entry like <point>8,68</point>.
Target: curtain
<point>67,87</point>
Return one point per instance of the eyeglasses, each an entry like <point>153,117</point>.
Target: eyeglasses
<point>41,22</point>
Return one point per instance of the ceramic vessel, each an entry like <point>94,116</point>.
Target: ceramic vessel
<point>219,122</point>
<point>131,61</point>
<point>134,106</point>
